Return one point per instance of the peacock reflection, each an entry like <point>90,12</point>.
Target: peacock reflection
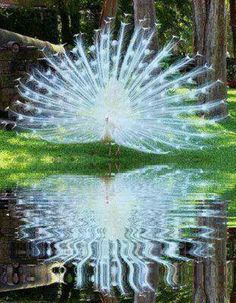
<point>116,229</point>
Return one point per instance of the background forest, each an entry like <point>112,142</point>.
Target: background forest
<point>58,20</point>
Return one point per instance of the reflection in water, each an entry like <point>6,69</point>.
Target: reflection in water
<point>117,230</point>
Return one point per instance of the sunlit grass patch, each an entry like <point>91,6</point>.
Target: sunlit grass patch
<point>26,156</point>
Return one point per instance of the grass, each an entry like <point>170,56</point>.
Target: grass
<point>22,158</point>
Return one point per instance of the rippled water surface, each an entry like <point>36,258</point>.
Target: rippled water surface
<point>155,234</point>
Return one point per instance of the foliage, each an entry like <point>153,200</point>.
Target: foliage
<point>231,72</point>
<point>174,17</point>
<point>37,23</point>
<point>83,16</point>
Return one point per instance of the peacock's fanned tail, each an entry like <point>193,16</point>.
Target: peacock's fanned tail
<point>117,91</point>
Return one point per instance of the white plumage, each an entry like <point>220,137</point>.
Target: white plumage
<point>116,91</point>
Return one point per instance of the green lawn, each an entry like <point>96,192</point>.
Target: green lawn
<point>22,159</point>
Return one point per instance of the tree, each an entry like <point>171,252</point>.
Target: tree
<point>145,10</point>
<point>65,22</point>
<point>233,23</point>
<point>210,272</point>
<point>109,10</point>
<point>175,18</point>
<point>74,8</point>
<point>61,8</point>
<point>8,36</point>
<point>209,18</point>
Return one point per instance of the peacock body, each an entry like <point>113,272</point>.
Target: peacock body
<point>116,91</point>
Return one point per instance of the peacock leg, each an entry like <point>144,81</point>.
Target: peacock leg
<point>117,167</point>
<point>118,152</point>
<point>109,149</point>
<point>109,169</point>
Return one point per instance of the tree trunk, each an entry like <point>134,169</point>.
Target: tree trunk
<point>109,10</point>
<point>233,294</point>
<point>7,36</point>
<point>210,41</point>
<point>75,22</point>
<point>107,298</point>
<point>232,259</point>
<point>233,23</point>
<point>210,272</point>
<point>65,22</point>
<point>145,14</point>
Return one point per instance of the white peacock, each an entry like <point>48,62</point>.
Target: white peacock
<point>114,92</point>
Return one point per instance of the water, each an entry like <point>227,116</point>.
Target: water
<point>156,234</point>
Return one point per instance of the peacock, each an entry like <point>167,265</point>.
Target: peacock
<point>117,91</point>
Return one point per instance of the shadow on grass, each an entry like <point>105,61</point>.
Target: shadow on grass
<point>25,159</point>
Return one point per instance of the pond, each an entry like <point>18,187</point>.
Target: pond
<point>155,234</point>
